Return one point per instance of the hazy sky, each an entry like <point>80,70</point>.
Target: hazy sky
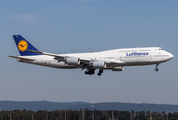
<point>73,26</point>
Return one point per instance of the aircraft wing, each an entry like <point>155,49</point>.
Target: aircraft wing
<point>85,61</point>
<point>44,53</point>
<point>115,62</point>
<point>22,58</point>
<point>59,57</point>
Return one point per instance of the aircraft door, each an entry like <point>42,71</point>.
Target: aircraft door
<point>121,57</point>
<point>150,55</point>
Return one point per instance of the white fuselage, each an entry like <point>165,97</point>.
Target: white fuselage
<point>126,57</point>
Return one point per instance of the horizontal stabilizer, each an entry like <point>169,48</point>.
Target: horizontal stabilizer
<point>22,58</point>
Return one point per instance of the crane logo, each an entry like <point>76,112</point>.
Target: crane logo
<point>22,45</point>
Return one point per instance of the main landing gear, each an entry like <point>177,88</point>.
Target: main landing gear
<point>90,71</point>
<point>156,69</point>
<point>100,72</point>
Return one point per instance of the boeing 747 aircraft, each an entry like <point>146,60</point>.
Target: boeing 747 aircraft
<point>114,60</point>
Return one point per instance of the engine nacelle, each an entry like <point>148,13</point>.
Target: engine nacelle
<point>118,68</point>
<point>72,61</point>
<point>99,64</point>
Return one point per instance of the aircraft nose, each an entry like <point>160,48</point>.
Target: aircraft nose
<point>171,55</point>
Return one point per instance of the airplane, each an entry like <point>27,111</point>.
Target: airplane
<point>114,60</point>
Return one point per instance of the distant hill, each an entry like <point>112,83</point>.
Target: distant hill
<point>50,106</point>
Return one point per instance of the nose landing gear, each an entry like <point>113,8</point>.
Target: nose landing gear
<point>156,69</point>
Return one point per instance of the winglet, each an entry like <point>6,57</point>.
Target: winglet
<point>23,45</point>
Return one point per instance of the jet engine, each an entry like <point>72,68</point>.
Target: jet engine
<point>72,61</point>
<point>99,64</point>
<point>118,68</point>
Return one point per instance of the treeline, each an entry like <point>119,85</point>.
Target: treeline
<point>85,115</point>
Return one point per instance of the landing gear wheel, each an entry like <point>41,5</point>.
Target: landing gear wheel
<point>156,69</point>
<point>99,74</point>
<point>90,71</point>
<point>100,71</point>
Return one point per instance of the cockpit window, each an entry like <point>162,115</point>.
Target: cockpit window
<point>160,49</point>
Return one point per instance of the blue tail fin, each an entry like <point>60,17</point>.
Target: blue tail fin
<point>23,45</point>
